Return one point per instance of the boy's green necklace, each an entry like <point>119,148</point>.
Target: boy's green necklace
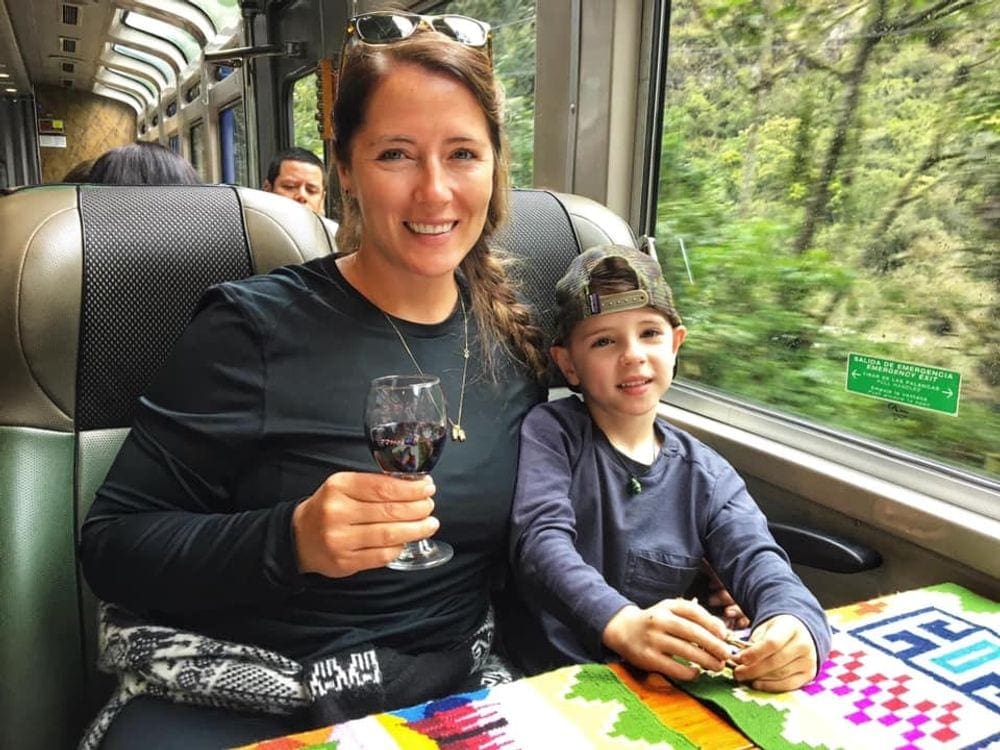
<point>633,486</point>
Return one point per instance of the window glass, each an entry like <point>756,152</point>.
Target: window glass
<point>225,14</point>
<point>181,39</point>
<point>233,145</point>
<point>122,96</point>
<point>174,143</point>
<point>305,127</point>
<point>137,86</point>
<point>513,23</point>
<point>187,16</point>
<point>197,142</point>
<point>827,188</point>
<point>149,43</point>
<point>165,70</point>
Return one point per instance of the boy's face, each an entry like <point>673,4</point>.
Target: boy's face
<point>623,362</point>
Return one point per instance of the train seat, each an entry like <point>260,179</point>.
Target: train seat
<point>96,283</point>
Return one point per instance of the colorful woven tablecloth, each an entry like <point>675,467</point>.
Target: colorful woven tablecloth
<point>575,708</point>
<point>915,670</point>
<point>911,671</point>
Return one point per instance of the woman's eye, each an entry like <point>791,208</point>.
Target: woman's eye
<point>464,153</point>
<point>392,154</point>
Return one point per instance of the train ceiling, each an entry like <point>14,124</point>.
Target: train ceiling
<point>131,50</point>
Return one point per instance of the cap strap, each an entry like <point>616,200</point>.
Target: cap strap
<point>607,303</point>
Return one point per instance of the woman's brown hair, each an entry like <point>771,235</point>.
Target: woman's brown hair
<point>503,321</point>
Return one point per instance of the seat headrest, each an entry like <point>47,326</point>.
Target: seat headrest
<point>98,281</point>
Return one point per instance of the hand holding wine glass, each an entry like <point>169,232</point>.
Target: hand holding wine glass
<point>406,426</point>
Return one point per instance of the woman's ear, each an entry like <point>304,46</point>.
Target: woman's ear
<point>560,355</point>
<point>344,178</point>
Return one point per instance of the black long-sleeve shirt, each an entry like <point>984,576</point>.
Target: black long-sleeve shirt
<point>263,399</point>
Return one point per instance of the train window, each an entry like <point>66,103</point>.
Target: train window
<point>824,197</point>
<point>176,36</point>
<point>233,145</point>
<point>139,41</point>
<point>225,14</point>
<point>196,140</point>
<point>513,23</point>
<point>305,128</point>
<point>171,108</point>
<point>127,82</point>
<point>222,72</point>
<point>123,61</point>
<point>174,143</point>
<point>136,54</point>
<point>192,92</point>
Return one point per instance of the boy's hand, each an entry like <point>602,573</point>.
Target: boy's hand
<point>720,599</point>
<point>650,638</point>
<point>782,656</point>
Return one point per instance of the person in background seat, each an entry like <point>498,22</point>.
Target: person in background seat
<point>300,175</point>
<point>142,163</point>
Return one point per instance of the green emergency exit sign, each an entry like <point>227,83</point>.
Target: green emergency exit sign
<point>904,382</point>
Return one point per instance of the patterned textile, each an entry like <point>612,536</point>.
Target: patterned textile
<point>186,667</point>
<point>579,707</point>
<point>910,671</point>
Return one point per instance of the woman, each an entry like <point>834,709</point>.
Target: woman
<point>244,505</point>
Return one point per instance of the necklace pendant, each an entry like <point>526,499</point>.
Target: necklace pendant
<point>457,433</point>
<point>634,486</point>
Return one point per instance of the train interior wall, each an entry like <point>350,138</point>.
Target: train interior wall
<point>93,124</point>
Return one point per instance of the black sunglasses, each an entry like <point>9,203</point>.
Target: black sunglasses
<point>386,27</point>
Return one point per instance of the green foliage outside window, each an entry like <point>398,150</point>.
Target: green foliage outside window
<point>513,23</point>
<point>831,170</point>
<point>304,125</point>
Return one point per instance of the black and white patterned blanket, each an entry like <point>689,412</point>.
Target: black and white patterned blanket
<point>190,668</point>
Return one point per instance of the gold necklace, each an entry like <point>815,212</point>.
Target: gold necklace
<point>457,433</point>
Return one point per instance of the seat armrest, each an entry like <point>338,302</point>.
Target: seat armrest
<point>819,549</point>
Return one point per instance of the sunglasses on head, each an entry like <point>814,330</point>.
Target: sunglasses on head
<point>386,27</point>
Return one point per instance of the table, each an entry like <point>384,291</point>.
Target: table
<point>910,671</point>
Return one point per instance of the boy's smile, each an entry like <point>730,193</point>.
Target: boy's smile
<point>623,362</point>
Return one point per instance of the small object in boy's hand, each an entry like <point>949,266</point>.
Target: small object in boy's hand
<point>737,644</point>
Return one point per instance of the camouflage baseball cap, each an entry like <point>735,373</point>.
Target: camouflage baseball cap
<point>636,272</point>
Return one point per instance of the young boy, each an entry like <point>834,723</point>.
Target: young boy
<point>615,509</point>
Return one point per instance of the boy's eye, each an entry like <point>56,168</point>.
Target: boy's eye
<point>601,342</point>
<point>652,333</point>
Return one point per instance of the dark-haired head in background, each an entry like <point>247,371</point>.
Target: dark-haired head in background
<point>298,174</point>
<point>142,163</point>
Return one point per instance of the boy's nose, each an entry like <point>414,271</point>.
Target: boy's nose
<point>633,352</point>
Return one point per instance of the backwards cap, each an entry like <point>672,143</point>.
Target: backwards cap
<point>575,300</point>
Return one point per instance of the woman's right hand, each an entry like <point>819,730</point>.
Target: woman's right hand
<point>357,521</point>
<point>651,638</point>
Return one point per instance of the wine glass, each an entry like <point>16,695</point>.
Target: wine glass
<point>406,424</point>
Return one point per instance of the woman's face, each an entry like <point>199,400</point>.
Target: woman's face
<point>421,170</point>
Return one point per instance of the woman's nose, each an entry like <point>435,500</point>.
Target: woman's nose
<point>433,187</point>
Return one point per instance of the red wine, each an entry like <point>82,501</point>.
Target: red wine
<point>407,447</point>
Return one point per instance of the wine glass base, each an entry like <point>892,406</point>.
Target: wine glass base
<point>422,555</point>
